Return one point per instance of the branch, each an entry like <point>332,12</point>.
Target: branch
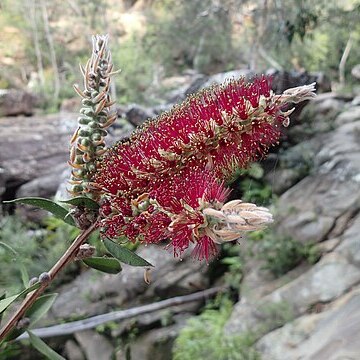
<point>62,262</point>
<point>92,322</point>
<point>50,41</point>
<point>343,60</point>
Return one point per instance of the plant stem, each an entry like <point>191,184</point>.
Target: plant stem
<point>66,258</point>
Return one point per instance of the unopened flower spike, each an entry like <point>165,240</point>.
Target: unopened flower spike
<point>167,181</point>
<point>88,141</point>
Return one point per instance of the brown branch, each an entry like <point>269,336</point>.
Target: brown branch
<point>62,262</point>
<point>91,322</point>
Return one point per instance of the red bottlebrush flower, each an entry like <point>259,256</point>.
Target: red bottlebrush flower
<point>164,180</point>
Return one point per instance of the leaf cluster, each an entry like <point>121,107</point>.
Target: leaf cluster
<point>203,337</point>
<point>283,253</point>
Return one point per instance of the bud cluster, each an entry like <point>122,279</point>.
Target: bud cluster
<point>87,143</point>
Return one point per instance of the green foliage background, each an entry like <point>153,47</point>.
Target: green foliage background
<point>171,36</point>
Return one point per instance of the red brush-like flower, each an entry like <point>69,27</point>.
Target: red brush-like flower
<point>160,184</point>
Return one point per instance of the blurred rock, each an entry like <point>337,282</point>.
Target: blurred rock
<point>222,77</point>
<point>323,208</point>
<point>33,150</point>
<point>73,351</point>
<point>45,185</point>
<point>327,280</point>
<point>155,344</point>
<point>292,165</point>
<point>310,209</point>
<point>283,80</point>
<point>93,292</point>
<point>33,155</point>
<point>16,102</point>
<point>355,71</point>
<point>94,345</point>
<point>135,114</point>
<point>331,335</point>
<point>350,115</point>
<point>71,105</point>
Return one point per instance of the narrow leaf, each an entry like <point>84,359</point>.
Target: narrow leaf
<point>40,307</point>
<point>42,347</point>
<point>8,248</point>
<point>124,255</point>
<point>48,205</point>
<point>107,265</point>
<point>24,274</point>
<point>5,303</point>
<point>34,313</point>
<point>22,268</point>
<point>1,298</point>
<point>82,201</point>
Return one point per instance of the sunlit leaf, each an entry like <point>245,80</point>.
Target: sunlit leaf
<point>5,303</point>
<point>48,205</point>
<point>107,265</point>
<point>42,347</point>
<point>82,201</point>
<point>124,255</point>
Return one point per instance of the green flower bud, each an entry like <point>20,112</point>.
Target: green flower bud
<point>86,102</point>
<point>84,133</point>
<point>85,142</point>
<point>96,137</point>
<point>84,120</point>
<point>93,124</point>
<point>77,188</point>
<point>79,159</point>
<point>91,167</point>
<point>143,205</point>
<point>89,112</point>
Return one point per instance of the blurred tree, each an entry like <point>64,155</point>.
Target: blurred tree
<point>45,40</point>
<point>50,41</point>
<point>190,34</point>
<point>300,34</point>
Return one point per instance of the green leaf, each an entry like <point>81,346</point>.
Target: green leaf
<point>124,255</point>
<point>107,265</point>
<point>8,248</point>
<point>1,298</point>
<point>22,268</point>
<point>24,274</point>
<point>48,205</point>
<point>5,303</point>
<point>82,201</point>
<point>42,347</point>
<point>38,309</point>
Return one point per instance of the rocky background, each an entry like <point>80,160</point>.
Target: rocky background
<point>308,312</point>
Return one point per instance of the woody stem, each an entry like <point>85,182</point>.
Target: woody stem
<point>65,259</point>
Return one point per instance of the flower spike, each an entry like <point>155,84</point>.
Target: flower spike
<point>87,143</point>
<point>167,181</point>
